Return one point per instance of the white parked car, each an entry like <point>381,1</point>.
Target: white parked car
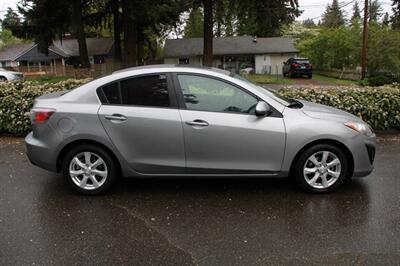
<point>6,75</point>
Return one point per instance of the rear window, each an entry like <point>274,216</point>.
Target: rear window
<point>151,90</point>
<point>302,61</point>
<point>111,93</point>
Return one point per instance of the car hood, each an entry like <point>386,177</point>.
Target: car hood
<point>321,111</point>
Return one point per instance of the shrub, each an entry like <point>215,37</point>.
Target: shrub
<point>16,100</point>
<point>378,106</point>
<point>379,80</point>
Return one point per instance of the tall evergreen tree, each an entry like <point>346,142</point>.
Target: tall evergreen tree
<point>333,16</point>
<point>356,12</point>
<point>194,24</point>
<point>396,14</point>
<point>47,20</point>
<point>386,20</point>
<point>265,18</point>
<point>375,10</point>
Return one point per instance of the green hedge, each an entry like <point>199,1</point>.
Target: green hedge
<point>379,106</point>
<point>16,100</point>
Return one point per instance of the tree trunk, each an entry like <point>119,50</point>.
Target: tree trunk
<point>117,30</point>
<point>140,46</point>
<point>79,33</point>
<point>130,34</point>
<point>208,33</point>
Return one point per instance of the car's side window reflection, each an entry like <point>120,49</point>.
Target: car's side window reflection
<point>207,94</point>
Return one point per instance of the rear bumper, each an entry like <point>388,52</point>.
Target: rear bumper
<point>301,71</point>
<point>39,154</point>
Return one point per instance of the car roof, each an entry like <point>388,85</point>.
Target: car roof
<point>172,68</point>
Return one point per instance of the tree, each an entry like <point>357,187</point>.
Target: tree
<point>333,16</point>
<point>47,20</point>
<point>78,30</point>
<point>396,14</point>
<point>11,20</point>
<point>6,38</point>
<point>194,24</point>
<point>208,33</point>
<point>356,12</point>
<point>375,10</point>
<point>265,18</point>
<point>309,23</point>
<point>386,20</point>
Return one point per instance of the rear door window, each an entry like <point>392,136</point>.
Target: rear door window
<point>149,90</point>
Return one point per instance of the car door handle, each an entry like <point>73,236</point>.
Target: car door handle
<point>115,117</point>
<point>197,122</point>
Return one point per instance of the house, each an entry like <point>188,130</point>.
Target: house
<point>265,55</point>
<point>28,58</point>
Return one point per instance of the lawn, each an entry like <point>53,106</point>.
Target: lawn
<point>268,79</point>
<point>334,81</point>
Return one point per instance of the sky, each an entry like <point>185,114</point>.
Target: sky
<point>312,8</point>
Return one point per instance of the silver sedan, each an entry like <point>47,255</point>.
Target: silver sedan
<point>176,121</point>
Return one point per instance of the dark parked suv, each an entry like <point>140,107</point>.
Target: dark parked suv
<point>297,67</point>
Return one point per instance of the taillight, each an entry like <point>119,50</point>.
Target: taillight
<point>295,65</point>
<point>39,115</point>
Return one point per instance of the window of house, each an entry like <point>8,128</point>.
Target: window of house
<point>208,94</point>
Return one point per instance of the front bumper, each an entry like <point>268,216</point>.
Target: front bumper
<point>39,154</point>
<point>363,150</point>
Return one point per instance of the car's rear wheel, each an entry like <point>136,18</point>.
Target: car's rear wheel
<point>89,169</point>
<point>321,168</point>
<point>2,79</point>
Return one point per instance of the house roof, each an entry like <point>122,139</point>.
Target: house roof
<point>95,46</point>
<point>11,52</point>
<point>66,48</point>
<point>229,46</point>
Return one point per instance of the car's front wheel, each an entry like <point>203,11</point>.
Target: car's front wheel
<point>89,169</point>
<point>321,168</point>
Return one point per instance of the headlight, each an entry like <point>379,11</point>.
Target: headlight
<point>360,127</point>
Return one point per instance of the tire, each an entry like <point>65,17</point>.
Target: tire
<point>310,76</point>
<point>3,79</point>
<point>308,179</point>
<point>86,180</point>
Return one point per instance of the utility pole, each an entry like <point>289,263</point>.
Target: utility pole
<point>365,42</point>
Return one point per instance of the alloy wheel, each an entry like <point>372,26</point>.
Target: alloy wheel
<point>88,170</point>
<point>322,169</point>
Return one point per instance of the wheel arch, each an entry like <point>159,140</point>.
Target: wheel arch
<point>79,142</point>
<point>336,143</point>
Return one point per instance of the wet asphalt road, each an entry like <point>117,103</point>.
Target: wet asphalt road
<point>200,222</point>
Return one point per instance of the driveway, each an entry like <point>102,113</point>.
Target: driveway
<point>197,222</point>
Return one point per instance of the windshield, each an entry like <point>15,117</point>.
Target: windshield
<point>302,61</point>
<point>279,98</point>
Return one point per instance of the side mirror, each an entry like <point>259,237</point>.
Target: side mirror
<point>284,63</point>
<point>263,109</point>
